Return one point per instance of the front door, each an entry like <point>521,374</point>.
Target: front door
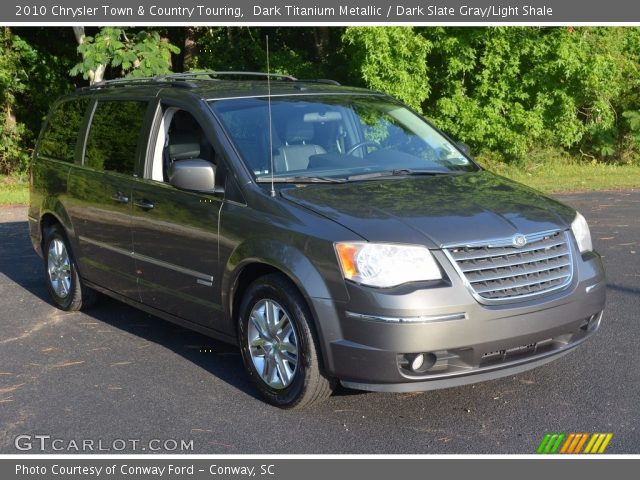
<point>175,232</point>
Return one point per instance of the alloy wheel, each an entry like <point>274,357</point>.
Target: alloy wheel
<point>59,268</point>
<point>273,344</point>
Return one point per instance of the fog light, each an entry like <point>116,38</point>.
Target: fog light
<point>417,362</point>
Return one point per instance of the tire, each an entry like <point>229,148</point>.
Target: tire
<point>61,272</point>
<point>283,363</point>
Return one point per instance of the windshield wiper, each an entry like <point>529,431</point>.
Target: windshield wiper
<point>300,179</point>
<point>363,176</point>
<point>401,172</point>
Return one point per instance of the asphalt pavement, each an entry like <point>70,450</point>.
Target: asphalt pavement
<point>119,378</point>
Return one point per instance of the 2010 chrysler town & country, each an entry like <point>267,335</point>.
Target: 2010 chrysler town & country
<point>330,232</point>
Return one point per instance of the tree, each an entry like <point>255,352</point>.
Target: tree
<point>140,54</point>
<point>12,157</point>
<point>503,90</point>
<point>391,59</point>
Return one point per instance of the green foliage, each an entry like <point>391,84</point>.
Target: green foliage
<point>11,80</point>
<point>633,117</point>
<point>145,53</point>
<point>511,91</point>
<point>391,59</point>
<point>303,52</point>
<point>45,58</point>
<point>481,96</point>
<point>13,158</point>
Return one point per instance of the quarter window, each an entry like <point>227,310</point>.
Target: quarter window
<point>113,136</point>
<point>61,133</point>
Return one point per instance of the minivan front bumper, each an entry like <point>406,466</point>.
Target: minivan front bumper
<point>462,340</point>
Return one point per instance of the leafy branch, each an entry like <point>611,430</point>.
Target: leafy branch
<point>145,53</point>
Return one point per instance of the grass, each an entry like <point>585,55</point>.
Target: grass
<point>547,171</point>
<point>574,178</point>
<point>552,172</point>
<point>14,190</point>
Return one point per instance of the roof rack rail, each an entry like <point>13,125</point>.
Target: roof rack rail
<point>326,81</point>
<point>213,74</point>
<point>182,79</point>
<point>123,82</point>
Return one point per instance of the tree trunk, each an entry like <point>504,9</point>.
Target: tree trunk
<point>10,122</point>
<point>321,37</point>
<point>96,75</point>
<point>190,47</point>
<point>79,33</point>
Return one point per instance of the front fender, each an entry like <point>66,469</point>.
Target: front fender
<point>295,263</point>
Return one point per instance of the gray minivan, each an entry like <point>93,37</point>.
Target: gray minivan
<point>330,232</point>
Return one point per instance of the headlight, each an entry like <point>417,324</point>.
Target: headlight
<point>580,230</point>
<point>386,265</point>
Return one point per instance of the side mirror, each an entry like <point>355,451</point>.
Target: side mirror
<point>194,174</point>
<point>466,149</point>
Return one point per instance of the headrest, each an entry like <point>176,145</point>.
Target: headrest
<point>298,132</point>
<point>184,145</point>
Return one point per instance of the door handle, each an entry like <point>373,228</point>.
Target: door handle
<point>144,204</point>
<point>120,197</point>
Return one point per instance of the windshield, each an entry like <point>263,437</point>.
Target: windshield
<point>336,137</point>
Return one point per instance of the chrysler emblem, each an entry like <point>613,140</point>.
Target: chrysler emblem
<point>519,240</point>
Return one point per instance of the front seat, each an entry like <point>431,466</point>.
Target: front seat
<point>183,145</point>
<point>295,153</point>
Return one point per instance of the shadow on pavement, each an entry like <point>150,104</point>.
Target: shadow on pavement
<point>20,264</point>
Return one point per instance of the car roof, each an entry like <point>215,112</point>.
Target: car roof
<point>218,85</point>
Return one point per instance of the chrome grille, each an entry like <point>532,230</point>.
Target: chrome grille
<point>501,272</point>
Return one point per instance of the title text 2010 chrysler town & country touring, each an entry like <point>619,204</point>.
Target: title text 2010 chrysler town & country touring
<point>330,232</point>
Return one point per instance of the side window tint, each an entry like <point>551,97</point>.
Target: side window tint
<point>61,134</point>
<point>113,136</point>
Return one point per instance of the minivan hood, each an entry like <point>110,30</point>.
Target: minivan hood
<point>435,210</point>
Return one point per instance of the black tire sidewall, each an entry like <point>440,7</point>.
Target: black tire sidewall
<point>52,233</point>
<point>275,289</point>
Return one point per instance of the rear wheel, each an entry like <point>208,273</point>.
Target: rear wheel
<point>61,273</point>
<point>279,346</point>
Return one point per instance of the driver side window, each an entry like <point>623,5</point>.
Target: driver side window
<point>180,137</point>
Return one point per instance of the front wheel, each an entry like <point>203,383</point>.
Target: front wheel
<point>61,273</point>
<point>279,345</point>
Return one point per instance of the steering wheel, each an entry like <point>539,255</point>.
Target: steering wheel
<point>362,144</point>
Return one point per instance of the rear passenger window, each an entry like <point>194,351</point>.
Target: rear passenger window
<point>61,133</point>
<point>113,136</point>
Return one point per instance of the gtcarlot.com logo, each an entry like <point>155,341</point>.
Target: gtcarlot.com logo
<point>47,443</point>
<point>573,443</point>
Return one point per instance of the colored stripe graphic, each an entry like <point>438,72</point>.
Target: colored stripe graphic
<point>598,443</point>
<point>582,442</point>
<point>573,443</point>
<point>551,443</point>
<point>543,443</point>
<point>592,440</point>
<point>604,445</point>
<point>568,442</point>
<point>556,445</point>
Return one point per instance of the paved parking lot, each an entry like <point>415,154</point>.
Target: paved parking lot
<point>114,373</point>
